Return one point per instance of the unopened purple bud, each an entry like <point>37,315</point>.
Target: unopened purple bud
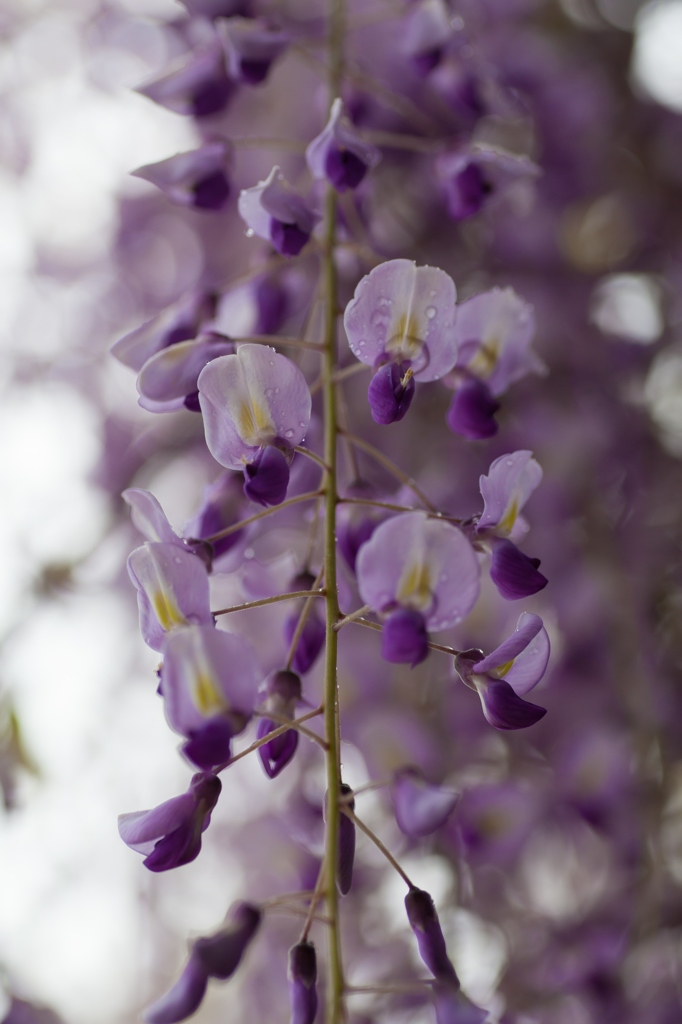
<point>344,870</point>
<point>183,999</point>
<point>344,169</point>
<point>390,393</point>
<point>310,642</point>
<point>472,411</point>
<point>514,574</point>
<point>467,192</point>
<point>420,808</point>
<point>421,913</point>
<point>504,709</point>
<point>285,685</point>
<point>220,953</point>
<point>276,754</point>
<point>404,638</point>
<point>266,478</point>
<point>287,239</point>
<point>210,745</point>
<point>302,983</point>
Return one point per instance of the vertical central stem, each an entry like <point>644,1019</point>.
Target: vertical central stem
<point>335,992</point>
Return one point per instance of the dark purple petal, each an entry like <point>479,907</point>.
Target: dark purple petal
<point>420,808</point>
<point>272,303</point>
<point>276,754</point>
<point>287,239</point>
<point>472,411</point>
<point>310,642</point>
<point>346,858</point>
<point>514,574</point>
<point>284,685</point>
<point>220,954</point>
<point>467,192</point>
<point>302,983</point>
<point>266,478</point>
<point>352,534</point>
<point>210,745</point>
<point>344,169</point>
<point>183,999</point>
<point>390,394</point>
<point>453,1008</point>
<point>211,96</point>
<point>425,62</point>
<point>253,72</point>
<point>504,709</point>
<point>177,848</point>
<point>404,638</point>
<point>212,192</point>
<point>424,922</point>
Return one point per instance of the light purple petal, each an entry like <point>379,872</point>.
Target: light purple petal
<point>178,322</point>
<point>172,590</point>
<point>178,175</point>
<point>419,563</point>
<point>274,197</point>
<point>141,828</point>
<point>183,999</point>
<point>197,85</point>
<point>148,516</point>
<point>527,629</point>
<point>208,673</point>
<point>248,39</point>
<point>428,27</point>
<point>501,326</point>
<point>173,373</point>
<point>250,399</point>
<point>510,482</point>
<point>405,312</point>
<point>338,132</point>
<point>420,808</point>
<point>531,664</point>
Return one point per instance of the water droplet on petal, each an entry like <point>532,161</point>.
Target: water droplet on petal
<point>301,424</point>
<point>376,318</point>
<point>249,232</point>
<point>268,392</point>
<point>431,312</point>
<point>510,462</point>
<point>288,433</point>
<point>276,391</point>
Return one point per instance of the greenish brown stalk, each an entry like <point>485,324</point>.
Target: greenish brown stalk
<point>335,1013</point>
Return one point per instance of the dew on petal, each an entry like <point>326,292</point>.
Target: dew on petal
<point>431,312</point>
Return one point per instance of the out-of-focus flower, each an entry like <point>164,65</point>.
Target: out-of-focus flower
<point>251,47</point>
<point>169,379</point>
<point>209,683</point>
<point>421,913</point>
<point>420,808</point>
<point>198,178</point>
<point>198,85</point>
<point>420,574</point>
<point>275,211</point>
<point>170,834</point>
<point>471,178</point>
<point>338,154</point>
<point>180,322</point>
<point>303,983</point>
<point>283,691</point>
<point>427,31</point>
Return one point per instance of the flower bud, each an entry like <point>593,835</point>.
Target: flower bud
<point>302,983</point>
<point>424,922</point>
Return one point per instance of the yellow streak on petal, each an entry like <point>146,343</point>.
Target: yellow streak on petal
<point>485,360</point>
<point>506,523</point>
<point>405,341</point>
<point>253,423</point>
<point>414,588</point>
<point>206,694</point>
<point>166,611</point>
<point>501,670</point>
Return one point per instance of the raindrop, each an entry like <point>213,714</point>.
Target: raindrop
<point>301,424</point>
<point>430,312</point>
<point>249,233</point>
<point>268,392</point>
<point>288,433</point>
<point>510,462</point>
<point>178,560</point>
<point>376,318</point>
<point>276,391</point>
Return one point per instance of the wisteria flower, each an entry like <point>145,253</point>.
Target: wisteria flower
<point>251,47</point>
<point>256,407</point>
<point>421,575</point>
<point>338,154</point>
<point>510,482</point>
<point>401,322</point>
<point>311,640</point>
<point>198,178</point>
<point>503,677</point>
<point>212,956</point>
<point>303,983</point>
<point>275,211</point>
<point>283,691</point>
<point>454,1008</point>
<point>472,177</point>
<point>170,834</point>
<point>198,85</point>
<point>209,684</point>
<point>172,590</point>
<point>180,322</point>
<point>428,29</point>
<point>355,524</point>
<point>421,913</point>
<point>346,843</point>
<point>169,380</point>
<point>220,507</point>
<point>420,808</point>
<point>494,331</point>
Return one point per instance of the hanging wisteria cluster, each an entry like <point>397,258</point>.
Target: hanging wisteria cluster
<point>402,209</point>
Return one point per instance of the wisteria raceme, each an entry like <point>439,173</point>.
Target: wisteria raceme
<point>412,252</point>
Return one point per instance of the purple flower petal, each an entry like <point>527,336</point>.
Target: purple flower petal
<point>198,85</point>
<point>209,745</point>
<point>148,516</point>
<point>339,154</point>
<point>510,482</point>
<point>276,754</point>
<point>501,706</point>
<point>141,829</point>
<point>221,953</point>
<point>198,178</point>
<point>427,30</point>
<point>514,574</point>
<point>173,373</point>
<point>390,393</point>
<point>266,478</point>
<point>527,628</point>
<point>275,211</point>
<point>208,674</point>
<point>521,660</point>
<point>423,564</point>
<point>310,642</point>
<point>495,330</point>
<point>472,411</point>
<point>183,999</point>
<point>471,177</point>
<point>420,808</point>
<point>406,313</point>
<point>172,590</point>
<point>453,1008</point>
<point>180,322</point>
<point>531,664</point>
<point>251,47</point>
<point>303,983</point>
<point>346,850</point>
<point>421,914</point>
<point>404,639</point>
<point>221,505</point>
<point>251,399</point>
<point>355,524</point>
